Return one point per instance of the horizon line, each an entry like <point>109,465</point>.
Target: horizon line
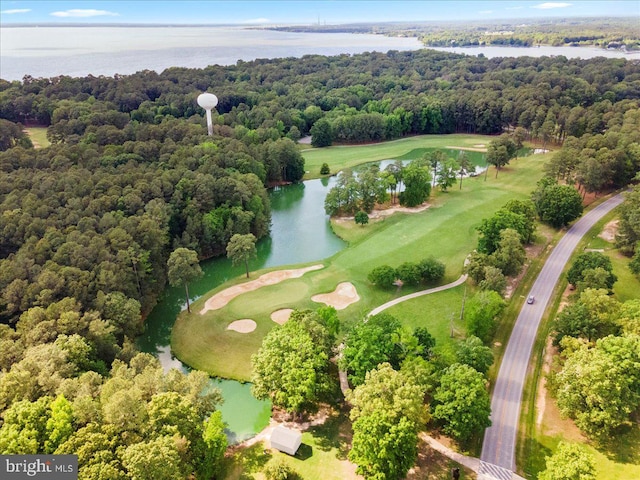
<point>307,24</point>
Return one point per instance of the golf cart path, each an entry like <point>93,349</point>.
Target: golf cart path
<point>410,296</point>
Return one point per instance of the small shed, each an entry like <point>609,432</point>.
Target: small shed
<point>286,440</point>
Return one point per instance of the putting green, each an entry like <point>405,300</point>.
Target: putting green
<point>445,231</point>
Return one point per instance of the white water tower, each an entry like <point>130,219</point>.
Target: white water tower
<point>208,101</point>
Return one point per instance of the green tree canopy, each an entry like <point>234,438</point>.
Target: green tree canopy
<point>321,133</point>
<point>417,181</point>
<point>570,461</point>
<point>557,205</point>
<point>510,254</point>
<point>241,249</point>
<point>481,312</point>
<point>599,387</point>
<point>292,366</point>
<point>183,267</point>
<point>462,403</point>
<point>370,343</point>
<point>471,351</point>
<point>590,261</point>
<point>387,412</point>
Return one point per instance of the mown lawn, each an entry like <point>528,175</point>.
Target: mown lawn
<point>445,231</point>
<point>38,136</point>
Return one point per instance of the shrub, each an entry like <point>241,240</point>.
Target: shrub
<point>409,273</point>
<point>383,276</point>
<point>324,169</point>
<point>277,469</point>
<point>431,270</point>
<point>361,218</point>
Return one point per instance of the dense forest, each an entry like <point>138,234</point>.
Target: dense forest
<point>87,224</point>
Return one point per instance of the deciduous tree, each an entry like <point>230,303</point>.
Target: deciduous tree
<point>462,403</point>
<point>183,267</point>
<point>292,366</point>
<point>570,461</point>
<point>481,312</point>
<point>241,249</point>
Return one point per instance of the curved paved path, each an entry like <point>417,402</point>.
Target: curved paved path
<point>498,448</point>
<point>404,298</point>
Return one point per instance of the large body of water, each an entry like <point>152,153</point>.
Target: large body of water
<point>79,51</point>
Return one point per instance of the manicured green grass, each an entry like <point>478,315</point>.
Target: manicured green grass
<point>445,231</point>
<point>341,157</point>
<point>38,136</point>
<point>437,312</point>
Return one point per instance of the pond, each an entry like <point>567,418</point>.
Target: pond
<point>300,232</point>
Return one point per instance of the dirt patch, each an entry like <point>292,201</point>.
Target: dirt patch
<point>344,295</point>
<point>609,231</point>
<point>220,299</point>
<point>281,316</point>
<point>243,326</point>
<point>541,401</point>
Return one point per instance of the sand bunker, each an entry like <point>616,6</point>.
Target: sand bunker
<point>242,326</point>
<point>476,148</point>
<point>344,295</point>
<point>380,213</point>
<point>281,316</point>
<point>220,299</point>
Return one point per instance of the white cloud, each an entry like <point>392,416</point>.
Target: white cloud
<point>15,10</point>
<point>548,5</point>
<point>257,20</point>
<point>83,13</point>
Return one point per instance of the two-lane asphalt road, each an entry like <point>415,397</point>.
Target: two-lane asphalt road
<point>498,449</point>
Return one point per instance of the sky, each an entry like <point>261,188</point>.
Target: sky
<point>268,12</point>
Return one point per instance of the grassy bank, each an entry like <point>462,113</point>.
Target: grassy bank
<point>445,231</point>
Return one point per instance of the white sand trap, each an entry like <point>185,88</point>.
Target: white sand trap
<point>476,148</point>
<point>344,295</point>
<point>242,326</point>
<point>281,316</point>
<point>220,299</point>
